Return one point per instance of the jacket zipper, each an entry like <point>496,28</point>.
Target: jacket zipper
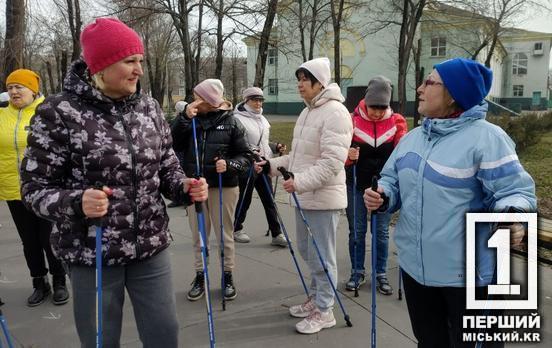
<point>15,144</point>
<point>134,183</point>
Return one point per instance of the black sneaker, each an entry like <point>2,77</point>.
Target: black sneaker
<point>230,292</point>
<point>61,295</point>
<point>198,287</point>
<point>383,285</point>
<point>41,291</point>
<point>355,282</point>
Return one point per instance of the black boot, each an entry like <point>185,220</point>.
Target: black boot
<point>41,291</point>
<point>61,295</point>
<point>198,287</point>
<point>230,292</point>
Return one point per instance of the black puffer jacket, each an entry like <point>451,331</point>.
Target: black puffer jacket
<point>219,133</point>
<point>80,138</point>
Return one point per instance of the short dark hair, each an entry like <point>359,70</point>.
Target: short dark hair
<point>307,74</point>
<point>378,107</point>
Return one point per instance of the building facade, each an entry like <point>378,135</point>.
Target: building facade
<point>520,59</point>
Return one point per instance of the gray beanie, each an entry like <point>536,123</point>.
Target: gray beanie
<point>378,92</point>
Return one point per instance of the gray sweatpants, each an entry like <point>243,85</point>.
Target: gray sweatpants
<point>323,224</point>
<point>149,286</point>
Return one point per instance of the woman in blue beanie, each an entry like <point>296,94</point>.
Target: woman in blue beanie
<point>454,164</point>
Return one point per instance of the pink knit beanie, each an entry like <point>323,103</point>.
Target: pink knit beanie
<point>107,41</point>
<point>212,91</point>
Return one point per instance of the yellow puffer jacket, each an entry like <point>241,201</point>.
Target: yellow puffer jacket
<point>14,127</point>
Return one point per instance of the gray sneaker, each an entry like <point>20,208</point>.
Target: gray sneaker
<point>279,240</point>
<point>241,237</point>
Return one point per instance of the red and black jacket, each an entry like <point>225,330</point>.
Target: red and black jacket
<point>376,140</point>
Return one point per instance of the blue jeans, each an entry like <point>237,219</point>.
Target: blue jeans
<point>323,224</point>
<point>362,219</point>
<point>149,286</point>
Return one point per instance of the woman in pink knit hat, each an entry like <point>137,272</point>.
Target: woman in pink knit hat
<point>101,150</point>
<point>223,149</point>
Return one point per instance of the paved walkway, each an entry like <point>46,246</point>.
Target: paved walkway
<point>267,285</point>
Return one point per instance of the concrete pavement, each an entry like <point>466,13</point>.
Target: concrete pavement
<point>267,285</point>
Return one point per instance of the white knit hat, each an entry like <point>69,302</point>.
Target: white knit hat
<point>319,68</point>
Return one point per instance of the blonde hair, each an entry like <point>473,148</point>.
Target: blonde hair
<point>97,80</point>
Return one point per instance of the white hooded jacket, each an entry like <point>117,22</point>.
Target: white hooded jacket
<point>321,140</point>
<point>257,127</point>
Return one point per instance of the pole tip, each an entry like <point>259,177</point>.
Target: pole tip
<point>348,321</point>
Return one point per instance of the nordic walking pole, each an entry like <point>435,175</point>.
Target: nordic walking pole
<point>222,283</point>
<point>249,176</point>
<point>373,229</point>
<point>286,176</point>
<point>273,195</point>
<point>203,245</point>
<point>355,225</point>
<point>98,222</point>
<point>5,330</point>
<point>267,185</point>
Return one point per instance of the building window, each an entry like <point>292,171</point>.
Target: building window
<point>438,46</point>
<point>538,46</point>
<point>519,64</point>
<point>518,90</point>
<point>272,86</point>
<point>272,56</point>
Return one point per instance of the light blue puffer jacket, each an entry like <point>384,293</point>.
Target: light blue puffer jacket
<point>445,169</point>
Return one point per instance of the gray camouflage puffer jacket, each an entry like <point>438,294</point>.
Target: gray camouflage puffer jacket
<point>80,138</point>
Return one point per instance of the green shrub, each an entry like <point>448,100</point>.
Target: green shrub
<point>525,130</point>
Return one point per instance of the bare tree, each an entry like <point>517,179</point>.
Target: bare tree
<point>75,26</point>
<point>310,16</point>
<point>260,64</point>
<point>15,37</point>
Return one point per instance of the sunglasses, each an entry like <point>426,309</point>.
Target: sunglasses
<point>429,82</point>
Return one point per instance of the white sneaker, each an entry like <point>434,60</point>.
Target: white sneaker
<point>279,240</point>
<point>303,310</point>
<point>315,322</point>
<point>241,237</point>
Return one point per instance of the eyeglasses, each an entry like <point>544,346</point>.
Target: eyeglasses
<point>429,82</point>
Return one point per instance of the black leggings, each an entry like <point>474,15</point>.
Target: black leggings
<point>436,314</point>
<point>35,235</point>
<point>265,195</point>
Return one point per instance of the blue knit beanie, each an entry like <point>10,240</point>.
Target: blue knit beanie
<point>467,81</point>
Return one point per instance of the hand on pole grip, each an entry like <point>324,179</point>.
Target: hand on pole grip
<point>373,197</point>
<point>95,202</point>
<point>287,175</point>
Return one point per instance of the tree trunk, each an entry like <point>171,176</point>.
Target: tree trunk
<point>410,19</point>
<point>419,76</point>
<point>199,33</point>
<point>63,72</point>
<point>75,25</point>
<point>220,41</point>
<point>260,64</point>
<point>336,21</point>
<point>15,38</point>
<point>180,23</point>
<point>302,26</point>
<point>51,77</point>
<point>234,81</point>
<point>312,33</point>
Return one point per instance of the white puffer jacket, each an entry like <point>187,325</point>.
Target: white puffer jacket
<point>321,140</point>
<point>257,127</point>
